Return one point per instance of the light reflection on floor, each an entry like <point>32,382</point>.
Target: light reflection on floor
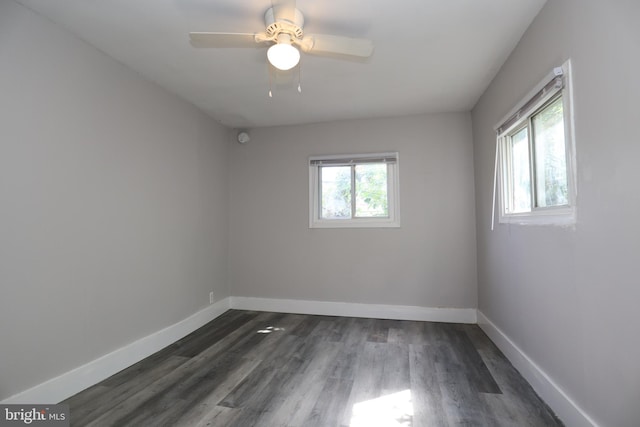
<point>269,329</point>
<point>392,410</point>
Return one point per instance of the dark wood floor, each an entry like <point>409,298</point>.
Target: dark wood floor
<point>268,369</point>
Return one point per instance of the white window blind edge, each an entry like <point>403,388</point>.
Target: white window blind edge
<point>566,66</point>
<point>346,159</point>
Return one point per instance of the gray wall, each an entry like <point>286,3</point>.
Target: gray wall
<point>569,297</point>
<point>430,261</point>
<point>113,204</point>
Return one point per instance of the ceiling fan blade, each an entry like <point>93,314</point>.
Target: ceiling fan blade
<point>327,44</point>
<point>221,40</point>
<point>284,10</point>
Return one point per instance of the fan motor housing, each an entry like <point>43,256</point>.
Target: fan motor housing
<point>285,26</point>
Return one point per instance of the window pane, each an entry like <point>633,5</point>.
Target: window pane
<point>336,192</point>
<point>520,176</point>
<point>551,161</point>
<point>371,190</point>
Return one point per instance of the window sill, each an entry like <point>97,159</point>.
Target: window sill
<point>354,223</point>
<point>555,217</point>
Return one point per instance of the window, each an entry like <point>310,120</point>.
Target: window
<point>535,156</point>
<point>359,190</point>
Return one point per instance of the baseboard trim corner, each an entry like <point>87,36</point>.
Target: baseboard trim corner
<point>66,385</point>
<point>567,410</point>
<point>378,311</point>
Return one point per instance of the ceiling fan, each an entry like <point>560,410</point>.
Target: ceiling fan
<point>284,31</point>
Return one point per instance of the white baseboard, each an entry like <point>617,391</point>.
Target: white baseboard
<point>76,380</point>
<point>378,311</point>
<point>568,411</point>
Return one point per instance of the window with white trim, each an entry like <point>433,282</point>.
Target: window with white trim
<point>535,156</point>
<point>354,190</point>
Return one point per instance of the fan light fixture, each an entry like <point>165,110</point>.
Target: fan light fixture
<point>283,55</point>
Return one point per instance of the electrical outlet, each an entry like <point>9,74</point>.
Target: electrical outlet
<point>210,297</point>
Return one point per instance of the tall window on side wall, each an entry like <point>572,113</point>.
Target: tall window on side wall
<point>535,157</point>
<point>355,190</point>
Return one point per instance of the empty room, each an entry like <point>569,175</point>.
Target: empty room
<point>296,213</point>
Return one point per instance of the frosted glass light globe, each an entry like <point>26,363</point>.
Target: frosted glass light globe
<point>283,56</point>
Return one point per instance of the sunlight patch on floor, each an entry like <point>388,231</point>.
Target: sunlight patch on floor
<point>392,410</point>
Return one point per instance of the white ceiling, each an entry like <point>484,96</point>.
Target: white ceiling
<point>430,55</point>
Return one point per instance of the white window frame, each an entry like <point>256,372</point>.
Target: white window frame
<point>534,102</point>
<point>393,192</point>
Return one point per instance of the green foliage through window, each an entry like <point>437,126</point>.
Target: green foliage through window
<point>355,191</point>
<point>535,161</point>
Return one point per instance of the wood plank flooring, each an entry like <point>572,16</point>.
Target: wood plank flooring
<point>287,370</point>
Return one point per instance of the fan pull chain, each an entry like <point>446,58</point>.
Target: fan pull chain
<point>269,72</point>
